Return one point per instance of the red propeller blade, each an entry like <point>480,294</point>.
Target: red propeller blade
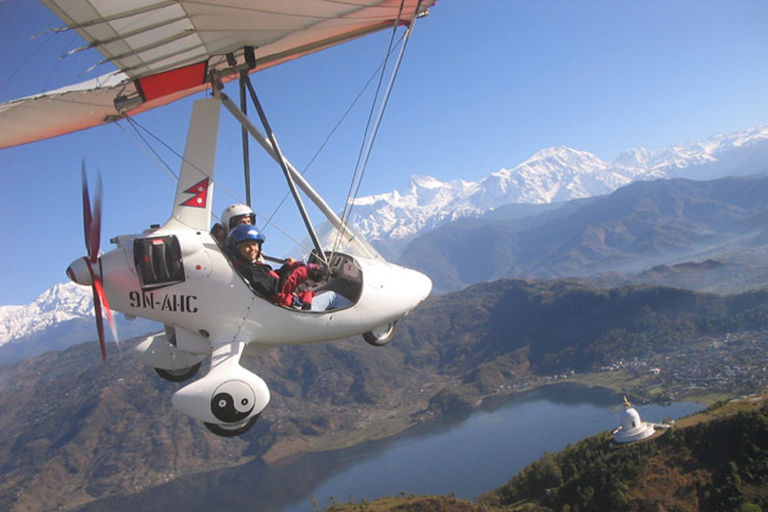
<point>92,218</point>
<point>87,217</point>
<point>103,297</point>
<point>99,321</point>
<point>92,230</point>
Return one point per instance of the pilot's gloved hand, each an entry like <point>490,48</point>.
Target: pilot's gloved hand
<point>315,271</point>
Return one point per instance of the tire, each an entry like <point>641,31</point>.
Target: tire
<point>221,430</point>
<point>382,335</point>
<point>178,375</point>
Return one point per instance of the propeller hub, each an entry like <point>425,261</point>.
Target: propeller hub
<point>79,272</point>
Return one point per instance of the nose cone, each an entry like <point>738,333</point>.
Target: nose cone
<point>390,292</point>
<point>79,272</point>
<point>412,287</point>
<point>421,285</point>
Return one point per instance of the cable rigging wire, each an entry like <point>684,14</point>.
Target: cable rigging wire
<point>147,148</point>
<point>370,131</point>
<point>367,146</point>
<point>335,128</point>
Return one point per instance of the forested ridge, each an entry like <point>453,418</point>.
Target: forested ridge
<point>571,325</point>
<point>719,465</point>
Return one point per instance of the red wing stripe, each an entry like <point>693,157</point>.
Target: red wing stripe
<point>162,84</point>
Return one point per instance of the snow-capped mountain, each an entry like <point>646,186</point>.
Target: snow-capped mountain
<point>60,317</point>
<point>62,303</point>
<point>551,175</point>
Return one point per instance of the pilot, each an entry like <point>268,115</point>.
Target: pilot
<point>244,245</point>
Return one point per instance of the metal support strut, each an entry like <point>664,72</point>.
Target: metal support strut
<point>250,63</point>
<point>326,210</point>
<point>280,158</point>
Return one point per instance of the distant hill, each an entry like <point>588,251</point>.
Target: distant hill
<point>74,430</point>
<point>637,228</point>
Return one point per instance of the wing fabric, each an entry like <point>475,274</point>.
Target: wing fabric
<point>164,50</point>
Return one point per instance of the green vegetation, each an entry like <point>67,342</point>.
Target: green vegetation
<point>410,504</point>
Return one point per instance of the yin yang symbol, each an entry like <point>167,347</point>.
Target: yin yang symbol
<point>233,401</point>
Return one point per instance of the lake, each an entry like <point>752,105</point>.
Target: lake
<point>465,456</point>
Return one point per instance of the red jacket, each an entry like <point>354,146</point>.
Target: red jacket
<point>279,286</point>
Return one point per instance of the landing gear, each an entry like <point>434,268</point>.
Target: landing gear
<point>381,335</point>
<point>178,375</point>
<point>221,430</point>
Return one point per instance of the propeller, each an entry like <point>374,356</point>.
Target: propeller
<point>92,229</point>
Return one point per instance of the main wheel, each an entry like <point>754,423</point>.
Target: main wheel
<point>221,430</point>
<point>178,375</point>
<point>382,335</point>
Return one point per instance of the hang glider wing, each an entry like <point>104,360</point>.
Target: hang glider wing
<point>165,49</point>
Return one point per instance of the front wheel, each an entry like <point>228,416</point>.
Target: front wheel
<point>381,335</point>
<point>178,375</point>
<point>221,430</point>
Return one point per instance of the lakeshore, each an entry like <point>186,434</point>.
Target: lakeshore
<point>383,424</point>
<point>466,455</point>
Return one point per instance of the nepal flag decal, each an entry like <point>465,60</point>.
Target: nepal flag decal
<point>200,197</point>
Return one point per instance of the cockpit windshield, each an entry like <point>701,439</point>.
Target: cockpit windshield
<point>344,240</point>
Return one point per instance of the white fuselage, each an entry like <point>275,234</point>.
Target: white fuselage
<point>214,303</point>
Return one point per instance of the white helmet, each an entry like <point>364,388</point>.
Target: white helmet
<point>232,214</point>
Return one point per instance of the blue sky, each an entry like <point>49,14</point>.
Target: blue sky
<point>484,85</point>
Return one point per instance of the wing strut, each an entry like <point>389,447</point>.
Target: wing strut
<point>329,214</point>
<point>244,136</point>
<point>250,60</point>
<point>280,158</point>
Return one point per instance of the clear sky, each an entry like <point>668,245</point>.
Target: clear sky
<point>484,85</point>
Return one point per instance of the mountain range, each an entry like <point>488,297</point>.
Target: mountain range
<point>554,175</point>
<point>660,232</point>
<point>562,212</point>
<point>59,317</point>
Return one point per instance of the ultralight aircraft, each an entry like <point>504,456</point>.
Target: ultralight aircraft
<point>176,273</point>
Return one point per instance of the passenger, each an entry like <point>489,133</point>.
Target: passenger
<point>219,234</point>
<point>244,244</point>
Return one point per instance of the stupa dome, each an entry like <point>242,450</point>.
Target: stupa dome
<point>632,428</point>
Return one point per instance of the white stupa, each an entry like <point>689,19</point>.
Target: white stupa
<point>632,428</point>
